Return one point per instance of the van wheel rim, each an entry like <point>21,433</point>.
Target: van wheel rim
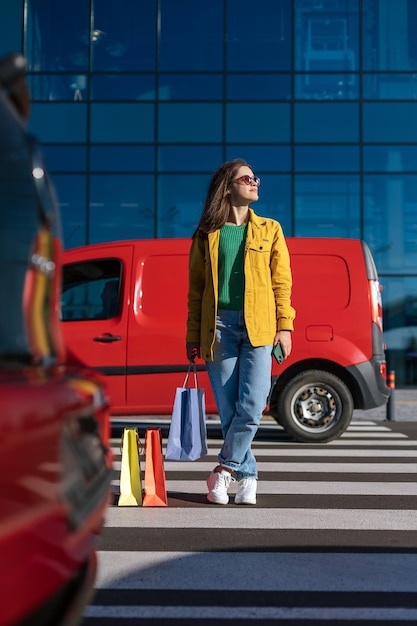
<point>316,408</point>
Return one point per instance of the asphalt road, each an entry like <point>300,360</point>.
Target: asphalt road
<point>332,540</point>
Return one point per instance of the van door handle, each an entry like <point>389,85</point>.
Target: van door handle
<point>108,338</point>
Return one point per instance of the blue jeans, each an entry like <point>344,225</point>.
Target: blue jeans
<point>240,376</point>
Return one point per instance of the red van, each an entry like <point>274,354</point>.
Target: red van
<point>124,307</point>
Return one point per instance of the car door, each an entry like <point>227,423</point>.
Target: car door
<point>95,297</point>
<point>156,355</point>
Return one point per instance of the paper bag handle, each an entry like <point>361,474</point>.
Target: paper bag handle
<point>138,441</point>
<point>188,374</point>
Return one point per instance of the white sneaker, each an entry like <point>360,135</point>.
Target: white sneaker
<point>218,483</point>
<point>246,493</point>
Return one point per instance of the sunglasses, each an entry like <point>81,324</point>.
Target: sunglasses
<point>248,180</point>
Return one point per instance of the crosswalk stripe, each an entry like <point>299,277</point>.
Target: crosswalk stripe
<point>257,518</point>
<point>404,449</point>
<point>251,613</point>
<point>277,467</point>
<point>326,452</point>
<point>375,435</point>
<point>367,427</point>
<point>322,452</point>
<point>388,441</point>
<point>263,571</point>
<point>276,487</point>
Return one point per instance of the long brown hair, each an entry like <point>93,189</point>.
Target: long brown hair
<point>217,205</point>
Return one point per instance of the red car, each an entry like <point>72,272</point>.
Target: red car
<point>55,463</point>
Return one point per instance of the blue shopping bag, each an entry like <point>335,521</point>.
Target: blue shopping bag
<point>187,438</point>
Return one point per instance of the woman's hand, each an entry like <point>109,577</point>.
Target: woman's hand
<point>193,350</point>
<point>284,338</point>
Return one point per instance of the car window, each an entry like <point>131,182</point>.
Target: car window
<point>91,290</point>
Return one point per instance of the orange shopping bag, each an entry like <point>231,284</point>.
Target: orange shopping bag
<point>155,493</point>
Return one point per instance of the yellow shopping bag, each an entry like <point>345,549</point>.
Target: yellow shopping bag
<point>130,478</point>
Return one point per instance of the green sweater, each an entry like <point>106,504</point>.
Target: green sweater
<point>231,260</point>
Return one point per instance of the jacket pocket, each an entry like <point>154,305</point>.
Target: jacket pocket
<point>259,260</point>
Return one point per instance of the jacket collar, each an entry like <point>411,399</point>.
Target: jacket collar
<point>256,220</point>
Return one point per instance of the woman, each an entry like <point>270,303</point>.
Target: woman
<point>238,308</point>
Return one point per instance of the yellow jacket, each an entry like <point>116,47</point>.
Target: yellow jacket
<point>268,282</point>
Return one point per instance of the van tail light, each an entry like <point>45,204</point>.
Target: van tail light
<point>375,289</point>
<point>383,370</point>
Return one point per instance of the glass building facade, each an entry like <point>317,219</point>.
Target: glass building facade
<point>136,102</point>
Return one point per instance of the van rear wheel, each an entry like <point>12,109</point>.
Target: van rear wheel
<point>314,406</point>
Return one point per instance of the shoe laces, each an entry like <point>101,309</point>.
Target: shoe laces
<point>223,478</point>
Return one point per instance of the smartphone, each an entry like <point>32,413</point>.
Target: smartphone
<point>277,352</point>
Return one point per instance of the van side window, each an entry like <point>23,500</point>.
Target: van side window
<point>91,290</point>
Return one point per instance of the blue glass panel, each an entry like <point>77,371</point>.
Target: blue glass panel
<point>72,200</point>
<point>123,35</point>
<point>57,35</point>
<point>190,87</point>
<point>267,158</point>
<point>191,158</point>
<point>327,158</point>
<point>328,86</point>
<point>11,26</point>
<point>180,202</point>
<point>259,35</point>
<point>59,123</point>
<point>326,122</point>
<point>386,122</point>
<point>275,199</point>
<point>72,87</point>
<point>327,206</point>
<point>121,207</point>
<point>190,123</point>
<point>389,86</point>
<point>390,158</point>
<point>191,36</point>
<point>399,300</point>
<point>390,225</point>
<point>66,158</point>
<point>388,35</point>
<point>118,123</point>
<point>122,158</point>
<point>256,123</point>
<point>244,86</point>
<point>123,87</point>
<point>327,35</point>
